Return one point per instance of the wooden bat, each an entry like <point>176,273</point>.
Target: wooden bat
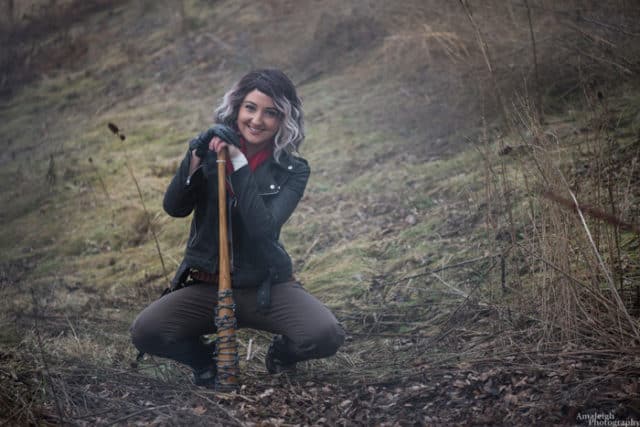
<point>226,324</point>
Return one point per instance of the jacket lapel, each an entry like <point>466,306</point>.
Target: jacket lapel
<point>271,175</point>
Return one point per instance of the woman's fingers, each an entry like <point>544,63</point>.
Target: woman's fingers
<point>214,144</point>
<point>218,144</point>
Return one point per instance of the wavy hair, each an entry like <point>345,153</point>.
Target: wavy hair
<point>279,87</point>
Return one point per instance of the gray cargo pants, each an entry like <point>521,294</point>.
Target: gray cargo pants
<point>172,325</point>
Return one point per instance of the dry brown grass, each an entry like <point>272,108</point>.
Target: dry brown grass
<point>577,205</point>
<point>571,258</point>
<point>397,232</point>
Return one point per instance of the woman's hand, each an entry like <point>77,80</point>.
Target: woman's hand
<point>210,141</point>
<point>199,147</point>
<point>218,144</point>
<point>237,157</point>
<point>199,144</point>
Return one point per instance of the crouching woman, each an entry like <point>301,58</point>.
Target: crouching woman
<point>260,122</point>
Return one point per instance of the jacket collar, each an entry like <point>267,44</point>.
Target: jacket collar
<point>271,175</point>
<point>288,162</point>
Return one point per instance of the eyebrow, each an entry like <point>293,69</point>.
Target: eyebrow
<point>275,110</point>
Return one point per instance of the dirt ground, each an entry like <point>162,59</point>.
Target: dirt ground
<point>465,371</point>
<point>395,209</point>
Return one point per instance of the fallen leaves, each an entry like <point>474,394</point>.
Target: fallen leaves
<point>268,392</point>
<point>199,410</point>
<point>478,393</point>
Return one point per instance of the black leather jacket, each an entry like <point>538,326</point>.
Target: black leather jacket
<point>261,203</point>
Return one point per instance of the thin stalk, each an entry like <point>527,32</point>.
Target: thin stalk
<point>102,184</point>
<point>535,64</point>
<point>604,268</point>
<point>114,129</point>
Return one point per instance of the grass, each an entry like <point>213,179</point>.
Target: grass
<point>409,196</point>
<point>387,210</point>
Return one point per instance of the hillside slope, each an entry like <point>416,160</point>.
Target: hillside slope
<point>414,229</point>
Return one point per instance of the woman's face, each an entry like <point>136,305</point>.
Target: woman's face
<point>258,118</point>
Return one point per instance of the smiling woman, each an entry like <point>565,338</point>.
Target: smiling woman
<point>260,122</point>
<point>282,97</point>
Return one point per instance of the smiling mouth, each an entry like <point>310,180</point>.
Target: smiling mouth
<point>254,130</point>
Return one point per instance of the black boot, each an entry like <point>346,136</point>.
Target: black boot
<point>278,358</point>
<point>206,377</point>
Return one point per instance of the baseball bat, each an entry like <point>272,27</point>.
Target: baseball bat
<point>226,324</point>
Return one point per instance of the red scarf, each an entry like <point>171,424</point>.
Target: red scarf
<point>254,161</point>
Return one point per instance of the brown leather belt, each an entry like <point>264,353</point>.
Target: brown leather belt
<point>204,276</point>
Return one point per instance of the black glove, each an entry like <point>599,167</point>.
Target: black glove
<point>201,142</point>
<point>227,134</point>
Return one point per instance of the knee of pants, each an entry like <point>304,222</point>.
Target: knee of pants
<point>323,341</point>
<point>139,335</point>
<point>149,339</point>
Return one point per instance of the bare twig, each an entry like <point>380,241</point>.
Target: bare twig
<point>249,349</point>
<point>591,211</point>
<point>136,413</point>
<point>503,274</point>
<point>595,58</point>
<point>311,247</point>
<point>73,331</point>
<point>484,49</point>
<point>233,420</point>
<point>43,357</point>
<point>445,267</point>
<point>453,288</point>
<point>100,180</point>
<point>604,268</point>
<point>611,27</point>
<point>535,64</point>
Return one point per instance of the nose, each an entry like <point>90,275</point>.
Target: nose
<point>257,118</point>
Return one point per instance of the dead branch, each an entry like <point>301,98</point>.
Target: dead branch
<point>591,211</point>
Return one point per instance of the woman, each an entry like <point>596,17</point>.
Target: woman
<point>260,122</point>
